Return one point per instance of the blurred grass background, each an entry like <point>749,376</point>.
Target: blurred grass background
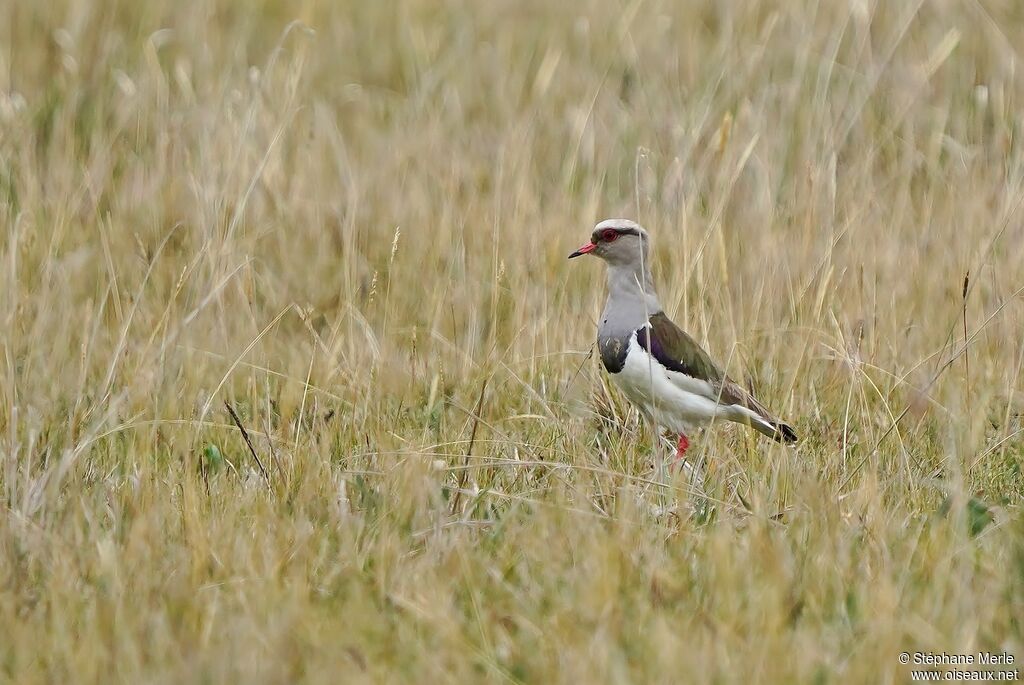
<point>350,221</point>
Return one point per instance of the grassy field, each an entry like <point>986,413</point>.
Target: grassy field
<point>347,223</point>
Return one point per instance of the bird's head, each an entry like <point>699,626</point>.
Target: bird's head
<point>620,242</point>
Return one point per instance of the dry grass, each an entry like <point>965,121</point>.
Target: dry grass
<point>353,229</point>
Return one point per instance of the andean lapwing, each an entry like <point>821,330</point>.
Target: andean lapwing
<point>658,366</point>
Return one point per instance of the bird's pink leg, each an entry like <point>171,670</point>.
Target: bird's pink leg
<point>684,444</point>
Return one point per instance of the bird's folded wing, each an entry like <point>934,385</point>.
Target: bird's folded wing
<point>676,350</point>
<point>679,353</point>
<point>691,369</point>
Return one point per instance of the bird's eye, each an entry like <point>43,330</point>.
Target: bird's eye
<point>609,235</point>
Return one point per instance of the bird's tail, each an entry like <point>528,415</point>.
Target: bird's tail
<point>746,409</point>
<point>776,430</point>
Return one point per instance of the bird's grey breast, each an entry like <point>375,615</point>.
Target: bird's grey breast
<point>627,309</point>
<point>615,335</point>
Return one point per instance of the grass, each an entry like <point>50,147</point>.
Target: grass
<point>349,221</point>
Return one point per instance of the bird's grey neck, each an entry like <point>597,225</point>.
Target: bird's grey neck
<point>631,300</point>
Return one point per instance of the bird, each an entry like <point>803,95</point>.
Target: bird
<point>656,364</point>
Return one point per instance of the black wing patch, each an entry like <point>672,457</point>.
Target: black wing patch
<point>613,353</point>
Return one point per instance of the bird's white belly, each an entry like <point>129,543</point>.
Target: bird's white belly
<point>672,400</point>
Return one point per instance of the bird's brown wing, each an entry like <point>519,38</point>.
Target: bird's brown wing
<point>677,351</point>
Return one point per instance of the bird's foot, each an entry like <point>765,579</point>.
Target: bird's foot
<point>694,470</point>
<point>684,444</point>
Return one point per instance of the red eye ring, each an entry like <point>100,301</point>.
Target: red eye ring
<point>609,234</point>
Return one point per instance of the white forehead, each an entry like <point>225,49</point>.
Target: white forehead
<point>619,223</point>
